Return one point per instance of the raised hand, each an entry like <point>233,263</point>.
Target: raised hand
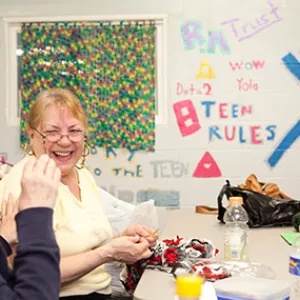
<point>9,209</point>
<point>39,183</point>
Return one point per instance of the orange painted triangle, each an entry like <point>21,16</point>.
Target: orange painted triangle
<point>207,167</point>
<point>205,71</point>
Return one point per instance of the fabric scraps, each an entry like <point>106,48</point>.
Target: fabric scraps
<point>211,271</point>
<point>168,255</point>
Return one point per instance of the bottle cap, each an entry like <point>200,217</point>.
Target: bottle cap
<point>189,286</point>
<point>235,201</point>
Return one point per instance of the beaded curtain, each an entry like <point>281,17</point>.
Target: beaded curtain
<point>111,68</point>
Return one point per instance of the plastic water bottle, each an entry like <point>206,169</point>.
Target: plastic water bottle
<point>188,287</point>
<point>294,269</point>
<point>236,231</point>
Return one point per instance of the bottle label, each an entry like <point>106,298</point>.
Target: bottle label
<point>236,247</point>
<point>294,265</point>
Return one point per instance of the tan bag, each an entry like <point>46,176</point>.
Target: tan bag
<point>269,189</point>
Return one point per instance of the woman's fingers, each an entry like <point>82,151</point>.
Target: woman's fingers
<point>57,175</point>
<point>28,167</point>
<point>16,204</point>
<point>151,241</point>
<point>41,165</point>
<point>3,208</point>
<point>10,205</point>
<point>142,231</point>
<point>50,169</point>
<point>146,253</point>
<point>40,182</point>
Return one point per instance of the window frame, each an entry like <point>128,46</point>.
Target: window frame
<point>12,28</point>
<point>11,88</point>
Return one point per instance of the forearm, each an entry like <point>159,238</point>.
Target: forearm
<point>76,266</point>
<point>36,266</point>
<point>36,270</point>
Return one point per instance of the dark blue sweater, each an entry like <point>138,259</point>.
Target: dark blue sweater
<point>36,266</point>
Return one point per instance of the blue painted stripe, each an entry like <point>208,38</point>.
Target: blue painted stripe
<point>284,145</point>
<point>292,63</point>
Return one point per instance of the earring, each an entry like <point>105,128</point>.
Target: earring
<point>28,150</point>
<point>85,154</point>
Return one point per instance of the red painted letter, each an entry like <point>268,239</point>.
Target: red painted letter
<point>189,116</point>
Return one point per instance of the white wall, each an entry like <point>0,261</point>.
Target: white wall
<point>167,174</point>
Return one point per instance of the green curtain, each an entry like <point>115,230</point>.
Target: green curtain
<point>111,68</point>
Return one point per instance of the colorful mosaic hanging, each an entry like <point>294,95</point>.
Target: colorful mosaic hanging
<point>111,68</point>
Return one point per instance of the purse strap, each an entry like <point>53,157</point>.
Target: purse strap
<point>224,191</point>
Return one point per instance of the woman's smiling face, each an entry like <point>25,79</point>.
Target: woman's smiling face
<point>58,120</point>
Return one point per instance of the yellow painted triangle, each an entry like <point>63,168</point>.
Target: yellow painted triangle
<point>205,71</point>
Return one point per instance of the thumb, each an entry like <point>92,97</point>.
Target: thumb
<point>146,254</point>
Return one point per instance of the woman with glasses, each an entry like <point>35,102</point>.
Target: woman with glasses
<point>57,126</point>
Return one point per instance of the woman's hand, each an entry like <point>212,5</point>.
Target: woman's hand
<point>40,181</point>
<point>128,249</point>
<point>8,229</point>
<point>142,231</point>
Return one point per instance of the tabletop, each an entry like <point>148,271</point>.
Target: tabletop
<point>265,246</point>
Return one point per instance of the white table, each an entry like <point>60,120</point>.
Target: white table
<point>265,246</point>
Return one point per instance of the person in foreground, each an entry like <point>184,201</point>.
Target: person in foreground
<point>35,274</point>
<point>57,126</point>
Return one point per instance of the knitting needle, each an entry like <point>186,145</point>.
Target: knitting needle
<point>154,233</point>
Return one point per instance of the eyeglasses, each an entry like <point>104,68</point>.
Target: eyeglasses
<point>75,135</point>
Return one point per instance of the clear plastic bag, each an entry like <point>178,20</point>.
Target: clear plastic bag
<point>244,269</point>
<point>117,211</point>
<point>120,213</point>
<point>149,215</point>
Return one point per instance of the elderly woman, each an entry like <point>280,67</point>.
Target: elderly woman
<point>57,126</point>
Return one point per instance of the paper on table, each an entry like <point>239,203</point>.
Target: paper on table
<point>290,237</point>
<point>208,292</point>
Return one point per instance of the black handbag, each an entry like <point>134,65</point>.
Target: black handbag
<point>263,211</point>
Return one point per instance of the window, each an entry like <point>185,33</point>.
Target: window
<point>14,57</point>
<point>13,73</point>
